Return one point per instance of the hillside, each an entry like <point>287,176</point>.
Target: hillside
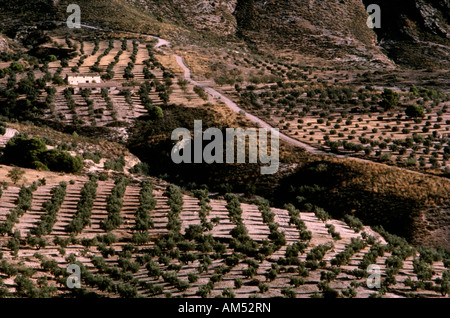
<point>416,33</point>
<point>413,33</point>
<point>199,247</point>
<point>87,177</point>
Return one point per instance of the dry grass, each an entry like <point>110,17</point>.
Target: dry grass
<point>119,14</point>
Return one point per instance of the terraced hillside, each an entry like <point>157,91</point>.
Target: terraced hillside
<point>99,104</point>
<point>111,101</point>
<point>358,120</point>
<point>148,239</point>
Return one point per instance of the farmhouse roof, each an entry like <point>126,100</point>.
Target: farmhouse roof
<point>83,75</point>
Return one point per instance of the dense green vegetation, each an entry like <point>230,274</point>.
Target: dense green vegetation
<point>151,136</point>
<point>33,153</point>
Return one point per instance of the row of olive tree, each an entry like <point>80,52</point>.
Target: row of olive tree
<point>51,208</point>
<point>144,222</point>
<point>23,204</point>
<point>84,207</point>
<point>241,241</point>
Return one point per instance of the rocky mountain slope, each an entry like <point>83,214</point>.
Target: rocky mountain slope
<point>414,33</point>
<point>330,29</point>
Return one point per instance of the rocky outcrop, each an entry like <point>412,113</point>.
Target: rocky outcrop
<point>330,29</point>
<point>432,17</point>
<point>214,16</point>
<point>4,47</point>
<point>309,27</point>
<point>415,33</point>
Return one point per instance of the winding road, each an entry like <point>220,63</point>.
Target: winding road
<point>232,105</point>
<point>215,94</point>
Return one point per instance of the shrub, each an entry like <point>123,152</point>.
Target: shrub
<point>115,164</point>
<point>33,153</point>
<point>146,204</point>
<point>175,201</point>
<point>156,112</point>
<point>321,214</point>
<point>234,208</point>
<point>343,257</point>
<point>389,99</point>
<point>57,160</point>
<point>288,292</point>
<point>317,253</point>
<point>23,151</point>
<point>354,223</point>
<point>201,92</point>
<point>15,174</point>
<point>331,230</point>
<point>414,111</point>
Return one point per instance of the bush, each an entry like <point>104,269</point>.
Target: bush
<point>175,201</point>
<point>146,204</point>
<point>115,164</point>
<point>15,174</point>
<point>354,223</point>
<point>201,92</point>
<point>156,112</point>
<point>234,208</point>
<point>389,99</point>
<point>33,153</point>
<point>414,111</point>
<point>317,253</point>
<point>22,151</point>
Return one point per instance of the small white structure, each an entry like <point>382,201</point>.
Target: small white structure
<point>75,79</point>
<point>112,87</point>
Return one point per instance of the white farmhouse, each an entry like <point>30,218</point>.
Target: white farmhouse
<point>75,79</point>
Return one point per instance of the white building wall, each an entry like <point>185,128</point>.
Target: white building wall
<point>75,80</point>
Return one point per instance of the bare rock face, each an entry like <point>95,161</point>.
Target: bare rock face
<point>415,33</point>
<point>333,30</point>
<point>329,29</point>
<point>4,47</point>
<point>214,16</point>
<point>432,19</point>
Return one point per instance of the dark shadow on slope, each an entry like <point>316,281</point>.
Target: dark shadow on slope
<point>338,189</point>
